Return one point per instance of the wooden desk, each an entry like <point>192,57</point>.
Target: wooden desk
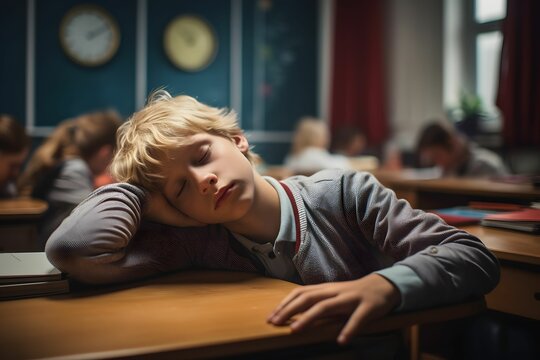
<point>515,246</point>
<point>21,208</point>
<point>18,220</point>
<point>438,193</point>
<point>518,291</point>
<point>184,315</point>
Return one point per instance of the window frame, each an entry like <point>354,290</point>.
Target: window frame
<point>472,30</point>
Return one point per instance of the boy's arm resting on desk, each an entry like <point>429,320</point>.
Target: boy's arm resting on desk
<point>104,240</point>
<point>435,263</point>
<point>393,256</point>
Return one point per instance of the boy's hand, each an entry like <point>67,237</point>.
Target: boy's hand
<point>158,209</point>
<point>365,299</point>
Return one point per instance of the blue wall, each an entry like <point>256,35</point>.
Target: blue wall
<point>64,88</point>
<point>12,59</point>
<point>210,85</point>
<point>279,63</point>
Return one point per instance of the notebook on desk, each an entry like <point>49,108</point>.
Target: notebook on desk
<point>29,274</point>
<point>462,215</point>
<point>527,220</point>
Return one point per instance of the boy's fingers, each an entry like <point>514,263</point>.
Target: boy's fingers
<point>290,297</point>
<point>358,319</point>
<point>287,299</point>
<point>159,209</point>
<point>325,308</point>
<point>297,305</point>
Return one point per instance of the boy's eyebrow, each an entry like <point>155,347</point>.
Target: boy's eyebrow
<point>195,143</point>
<point>188,146</point>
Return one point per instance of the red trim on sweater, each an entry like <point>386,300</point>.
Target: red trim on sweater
<point>296,216</point>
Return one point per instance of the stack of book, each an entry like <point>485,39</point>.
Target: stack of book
<point>506,216</point>
<point>462,215</point>
<point>29,274</point>
<point>527,219</point>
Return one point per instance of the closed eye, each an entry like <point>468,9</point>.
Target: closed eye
<point>204,158</point>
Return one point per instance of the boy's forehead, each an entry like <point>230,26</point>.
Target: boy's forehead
<point>191,142</point>
<point>184,149</point>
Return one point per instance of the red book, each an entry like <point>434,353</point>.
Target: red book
<point>527,220</point>
<point>494,206</point>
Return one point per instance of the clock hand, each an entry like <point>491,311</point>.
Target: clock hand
<point>92,34</point>
<point>189,37</point>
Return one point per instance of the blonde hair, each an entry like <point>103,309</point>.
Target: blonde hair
<point>79,137</point>
<point>310,132</point>
<point>145,140</point>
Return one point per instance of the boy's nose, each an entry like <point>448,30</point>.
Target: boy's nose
<point>207,183</point>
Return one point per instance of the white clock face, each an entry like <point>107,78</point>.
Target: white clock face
<point>89,35</point>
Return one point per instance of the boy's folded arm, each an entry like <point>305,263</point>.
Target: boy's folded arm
<point>105,241</point>
<point>91,243</point>
<point>434,263</point>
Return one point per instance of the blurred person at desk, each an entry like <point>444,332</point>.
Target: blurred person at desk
<point>350,142</point>
<point>310,149</point>
<point>14,148</point>
<point>439,144</point>
<point>62,169</point>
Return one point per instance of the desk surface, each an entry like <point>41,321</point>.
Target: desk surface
<point>462,186</point>
<point>189,314</point>
<point>507,244</point>
<point>21,207</point>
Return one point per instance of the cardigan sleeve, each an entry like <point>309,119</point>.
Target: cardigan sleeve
<point>104,240</point>
<point>434,263</point>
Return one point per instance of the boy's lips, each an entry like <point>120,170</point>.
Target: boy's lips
<point>222,194</point>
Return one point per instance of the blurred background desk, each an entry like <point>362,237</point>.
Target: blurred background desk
<point>18,224</point>
<point>518,291</point>
<point>183,315</point>
<point>430,194</point>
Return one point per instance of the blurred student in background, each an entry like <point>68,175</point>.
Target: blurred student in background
<point>441,145</point>
<point>351,142</point>
<point>63,168</point>
<point>14,148</point>
<point>310,149</point>
<point>348,141</point>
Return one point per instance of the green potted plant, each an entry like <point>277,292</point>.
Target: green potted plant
<point>469,114</point>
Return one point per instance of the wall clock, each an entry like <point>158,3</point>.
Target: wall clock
<point>190,43</point>
<point>89,35</point>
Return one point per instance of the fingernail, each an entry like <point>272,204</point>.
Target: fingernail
<point>342,339</point>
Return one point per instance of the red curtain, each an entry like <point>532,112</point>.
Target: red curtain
<point>358,90</point>
<point>518,95</point>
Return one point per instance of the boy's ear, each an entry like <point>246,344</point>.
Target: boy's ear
<point>241,143</point>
